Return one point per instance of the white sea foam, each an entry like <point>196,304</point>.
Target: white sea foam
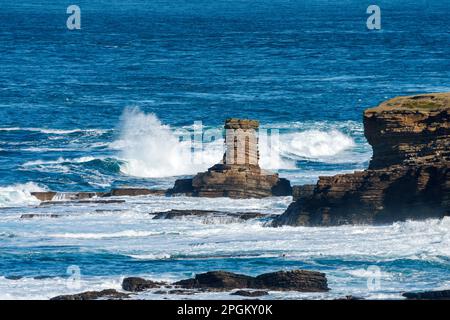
<point>19,195</point>
<point>351,249</point>
<point>316,144</point>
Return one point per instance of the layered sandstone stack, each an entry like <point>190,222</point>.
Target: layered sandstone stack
<point>239,174</point>
<point>408,176</point>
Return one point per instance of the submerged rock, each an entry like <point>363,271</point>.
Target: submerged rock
<point>428,295</point>
<point>247,293</point>
<point>239,174</point>
<point>109,294</point>
<point>32,215</point>
<point>135,284</point>
<point>295,280</point>
<point>93,201</point>
<point>408,176</point>
<point>219,280</point>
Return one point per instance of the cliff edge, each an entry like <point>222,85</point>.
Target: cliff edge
<point>408,176</point>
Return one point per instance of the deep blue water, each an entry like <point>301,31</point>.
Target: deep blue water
<point>309,68</point>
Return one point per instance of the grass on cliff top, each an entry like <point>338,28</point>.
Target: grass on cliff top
<point>425,102</point>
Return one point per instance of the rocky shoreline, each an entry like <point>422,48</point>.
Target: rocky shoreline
<point>216,281</point>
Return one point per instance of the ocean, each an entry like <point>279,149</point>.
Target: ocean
<point>109,106</point>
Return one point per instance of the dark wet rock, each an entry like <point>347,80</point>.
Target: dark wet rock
<point>350,297</point>
<point>174,214</point>
<point>428,295</point>
<point>238,175</point>
<point>108,210</point>
<point>176,291</point>
<point>247,293</point>
<point>43,277</point>
<point>408,176</point>
<point>32,215</point>
<point>135,284</point>
<point>13,277</point>
<point>218,280</point>
<point>109,294</point>
<point>133,192</point>
<point>295,280</point>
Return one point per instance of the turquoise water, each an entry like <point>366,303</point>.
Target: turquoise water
<point>105,107</point>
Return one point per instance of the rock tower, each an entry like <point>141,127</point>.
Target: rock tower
<point>238,175</point>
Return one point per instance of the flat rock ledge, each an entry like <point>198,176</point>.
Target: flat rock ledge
<point>248,293</point>
<point>232,216</point>
<point>107,294</point>
<point>428,295</point>
<point>135,284</point>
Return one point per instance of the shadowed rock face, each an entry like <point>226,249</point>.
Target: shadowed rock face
<point>239,174</point>
<point>428,295</point>
<point>408,176</point>
<point>135,284</point>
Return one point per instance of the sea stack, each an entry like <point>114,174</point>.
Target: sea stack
<point>238,175</point>
<point>408,176</point>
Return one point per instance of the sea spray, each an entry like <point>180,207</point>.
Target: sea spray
<point>153,150</point>
<point>19,195</point>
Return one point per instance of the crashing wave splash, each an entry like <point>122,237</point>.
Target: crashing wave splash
<point>19,195</point>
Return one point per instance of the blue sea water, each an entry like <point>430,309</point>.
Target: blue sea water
<point>104,106</point>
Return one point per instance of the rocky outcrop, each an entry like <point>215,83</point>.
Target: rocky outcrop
<point>295,280</point>
<point>408,176</point>
<point>107,294</point>
<point>239,174</point>
<point>428,295</point>
<point>133,192</point>
<point>135,284</point>
<point>175,214</point>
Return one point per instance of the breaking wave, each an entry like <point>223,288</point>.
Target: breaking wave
<point>19,195</point>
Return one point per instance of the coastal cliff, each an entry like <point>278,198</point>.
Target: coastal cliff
<point>408,176</point>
